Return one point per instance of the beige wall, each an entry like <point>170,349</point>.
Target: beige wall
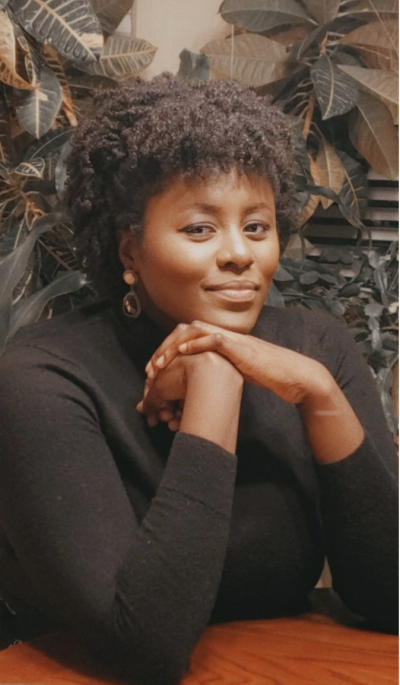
<point>172,25</point>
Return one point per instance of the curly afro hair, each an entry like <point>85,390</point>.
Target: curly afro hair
<point>141,134</point>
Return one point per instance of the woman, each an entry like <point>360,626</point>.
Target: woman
<point>180,454</point>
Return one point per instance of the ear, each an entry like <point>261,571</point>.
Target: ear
<point>128,249</point>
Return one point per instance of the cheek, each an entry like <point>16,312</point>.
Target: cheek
<point>169,264</point>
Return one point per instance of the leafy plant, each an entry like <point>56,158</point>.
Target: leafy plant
<point>360,288</point>
<point>53,56</point>
<point>332,66</point>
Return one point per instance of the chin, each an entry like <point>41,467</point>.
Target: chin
<point>238,322</point>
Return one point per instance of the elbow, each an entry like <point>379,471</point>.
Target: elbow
<point>137,661</point>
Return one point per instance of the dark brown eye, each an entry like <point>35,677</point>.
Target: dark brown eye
<point>257,228</point>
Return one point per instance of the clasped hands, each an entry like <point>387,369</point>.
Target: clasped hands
<point>291,376</point>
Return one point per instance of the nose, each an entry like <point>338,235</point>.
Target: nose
<point>235,251</point>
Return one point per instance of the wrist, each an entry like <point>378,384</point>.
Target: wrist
<point>213,398</point>
<point>202,370</point>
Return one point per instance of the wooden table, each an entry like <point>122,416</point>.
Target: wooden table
<point>310,649</point>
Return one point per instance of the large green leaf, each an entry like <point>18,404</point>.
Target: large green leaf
<point>377,43</point>
<point>12,269</point>
<point>373,134</point>
<point>32,57</point>
<point>110,13</point>
<point>72,27</point>
<point>336,92</point>
<point>49,145</point>
<point>353,197</point>
<point>386,7</point>
<point>253,60</point>
<point>122,57</point>
<point>32,169</point>
<point>8,55</point>
<point>37,109</point>
<point>5,138</point>
<point>323,10</point>
<point>262,15</point>
<point>28,309</point>
<point>331,171</point>
<point>380,83</point>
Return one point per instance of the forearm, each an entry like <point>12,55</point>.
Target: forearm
<point>212,404</point>
<point>333,429</point>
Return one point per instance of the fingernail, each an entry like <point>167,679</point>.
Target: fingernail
<point>160,361</point>
<point>183,347</point>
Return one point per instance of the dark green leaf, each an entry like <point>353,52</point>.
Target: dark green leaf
<point>282,275</point>
<point>373,134</point>
<point>350,290</point>
<point>33,169</point>
<point>275,297</point>
<point>38,108</point>
<point>353,198</point>
<point>6,152</point>
<point>390,7</point>
<point>252,60</point>
<point>72,28</point>
<point>309,277</point>
<point>336,92</point>
<point>5,170</point>
<point>110,13</point>
<point>374,309</point>
<point>328,278</point>
<point>330,254</point>
<point>49,144</point>
<point>193,66</point>
<point>12,269</point>
<point>29,309</point>
<point>314,36</point>
<point>13,238</point>
<point>259,15</point>
<point>380,278</point>
<point>323,10</point>
<point>122,57</point>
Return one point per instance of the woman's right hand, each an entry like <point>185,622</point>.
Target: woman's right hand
<point>164,396</point>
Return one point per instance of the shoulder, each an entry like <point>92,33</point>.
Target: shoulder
<point>67,343</point>
<point>300,329</point>
<point>64,332</point>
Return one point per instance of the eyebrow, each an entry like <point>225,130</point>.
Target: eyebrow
<point>213,209</point>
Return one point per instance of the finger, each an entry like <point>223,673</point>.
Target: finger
<point>166,415</point>
<point>170,348</point>
<point>176,334</point>
<point>174,425</point>
<point>235,351</point>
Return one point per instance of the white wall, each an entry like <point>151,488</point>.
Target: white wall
<point>172,25</point>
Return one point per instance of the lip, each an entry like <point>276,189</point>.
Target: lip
<point>235,291</point>
<point>234,285</point>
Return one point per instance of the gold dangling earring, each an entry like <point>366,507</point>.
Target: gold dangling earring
<point>131,303</point>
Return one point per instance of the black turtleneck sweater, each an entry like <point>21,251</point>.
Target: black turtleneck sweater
<point>137,538</point>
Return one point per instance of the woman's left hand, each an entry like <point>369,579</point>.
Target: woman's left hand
<point>333,429</point>
<point>290,375</point>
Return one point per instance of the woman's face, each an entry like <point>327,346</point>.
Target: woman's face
<point>208,251</point>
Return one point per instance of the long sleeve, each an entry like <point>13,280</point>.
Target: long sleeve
<point>141,593</point>
<point>359,495</point>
